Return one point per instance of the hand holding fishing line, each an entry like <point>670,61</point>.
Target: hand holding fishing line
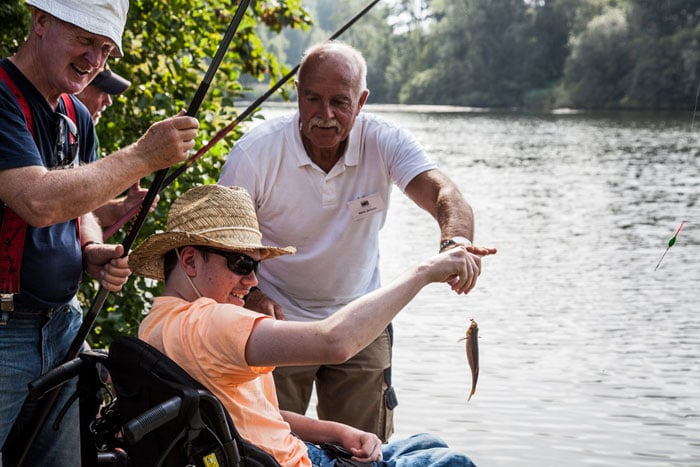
<point>670,244</point>
<point>464,283</point>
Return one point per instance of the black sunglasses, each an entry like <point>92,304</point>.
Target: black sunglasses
<point>67,146</point>
<point>238,263</point>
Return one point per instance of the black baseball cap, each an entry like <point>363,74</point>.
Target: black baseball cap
<point>110,82</point>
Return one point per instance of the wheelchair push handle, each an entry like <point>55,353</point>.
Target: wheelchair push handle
<point>153,418</point>
<point>56,377</point>
<point>63,373</point>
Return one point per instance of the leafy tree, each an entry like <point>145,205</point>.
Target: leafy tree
<point>371,35</point>
<point>548,47</point>
<point>664,18</point>
<point>168,47</point>
<point>15,23</point>
<point>599,63</point>
<point>643,55</point>
<point>666,67</point>
<point>477,51</point>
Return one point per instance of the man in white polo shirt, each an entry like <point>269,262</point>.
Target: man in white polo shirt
<point>321,181</point>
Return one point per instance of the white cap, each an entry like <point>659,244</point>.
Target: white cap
<point>102,17</point>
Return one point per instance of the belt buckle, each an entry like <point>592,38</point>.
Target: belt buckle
<point>7,302</point>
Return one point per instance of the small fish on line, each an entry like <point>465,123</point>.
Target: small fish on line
<point>472,344</point>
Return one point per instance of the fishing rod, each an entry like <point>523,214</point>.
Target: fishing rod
<point>239,118</point>
<point>91,317</point>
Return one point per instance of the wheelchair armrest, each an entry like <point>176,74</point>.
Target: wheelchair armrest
<point>64,372</point>
<point>153,418</point>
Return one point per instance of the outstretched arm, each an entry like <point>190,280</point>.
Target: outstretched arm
<point>435,192</point>
<point>346,332</point>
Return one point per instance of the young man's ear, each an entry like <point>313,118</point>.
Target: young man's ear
<point>187,260</point>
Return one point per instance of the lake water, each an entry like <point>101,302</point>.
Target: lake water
<point>589,357</point>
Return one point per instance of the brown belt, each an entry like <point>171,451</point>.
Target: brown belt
<point>22,312</point>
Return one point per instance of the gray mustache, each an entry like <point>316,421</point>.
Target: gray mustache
<point>319,122</point>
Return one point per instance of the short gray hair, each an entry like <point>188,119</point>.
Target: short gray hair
<point>353,55</point>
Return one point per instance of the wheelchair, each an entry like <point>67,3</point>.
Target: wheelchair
<point>150,413</point>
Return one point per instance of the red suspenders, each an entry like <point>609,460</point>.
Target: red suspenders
<point>13,229</point>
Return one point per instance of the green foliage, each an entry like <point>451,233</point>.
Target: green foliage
<point>14,17</point>
<point>605,43</point>
<point>526,53</point>
<point>642,56</point>
<point>666,69</point>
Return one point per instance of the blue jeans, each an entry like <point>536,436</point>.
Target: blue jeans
<point>419,450</point>
<point>29,347</point>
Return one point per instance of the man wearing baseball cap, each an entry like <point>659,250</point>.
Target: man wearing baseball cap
<point>50,235</point>
<point>97,96</point>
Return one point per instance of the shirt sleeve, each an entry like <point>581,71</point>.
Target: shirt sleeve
<point>222,333</point>
<point>17,147</point>
<point>404,156</point>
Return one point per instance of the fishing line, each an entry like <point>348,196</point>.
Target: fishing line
<point>672,241</point>
<point>695,109</point>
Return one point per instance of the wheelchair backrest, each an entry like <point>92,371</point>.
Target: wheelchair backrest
<point>201,432</point>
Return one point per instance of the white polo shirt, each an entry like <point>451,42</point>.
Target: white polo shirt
<point>333,219</point>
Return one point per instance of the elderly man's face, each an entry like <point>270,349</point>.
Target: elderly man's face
<point>71,56</point>
<point>329,102</point>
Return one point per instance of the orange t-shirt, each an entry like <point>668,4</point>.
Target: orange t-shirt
<point>208,339</point>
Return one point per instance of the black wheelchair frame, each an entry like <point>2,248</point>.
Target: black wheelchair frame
<point>153,413</point>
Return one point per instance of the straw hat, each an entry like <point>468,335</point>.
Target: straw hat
<point>103,17</point>
<point>209,215</point>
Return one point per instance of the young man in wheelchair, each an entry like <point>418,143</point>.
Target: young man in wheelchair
<point>208,258</point>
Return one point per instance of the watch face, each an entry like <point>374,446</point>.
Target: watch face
<point>455,241</point>
<point>461,240</point>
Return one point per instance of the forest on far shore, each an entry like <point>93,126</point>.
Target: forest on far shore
<point>541,54</point>
<point>531,54</point>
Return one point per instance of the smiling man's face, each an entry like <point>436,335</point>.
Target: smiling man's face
<point>73,55</point>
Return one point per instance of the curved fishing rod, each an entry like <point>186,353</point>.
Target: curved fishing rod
<point>227,129</point>
<point>154,189</point>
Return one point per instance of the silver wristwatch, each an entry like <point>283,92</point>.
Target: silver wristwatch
<point>455,241</point>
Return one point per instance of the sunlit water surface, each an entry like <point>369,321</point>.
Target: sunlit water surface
<point>589,357</point>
